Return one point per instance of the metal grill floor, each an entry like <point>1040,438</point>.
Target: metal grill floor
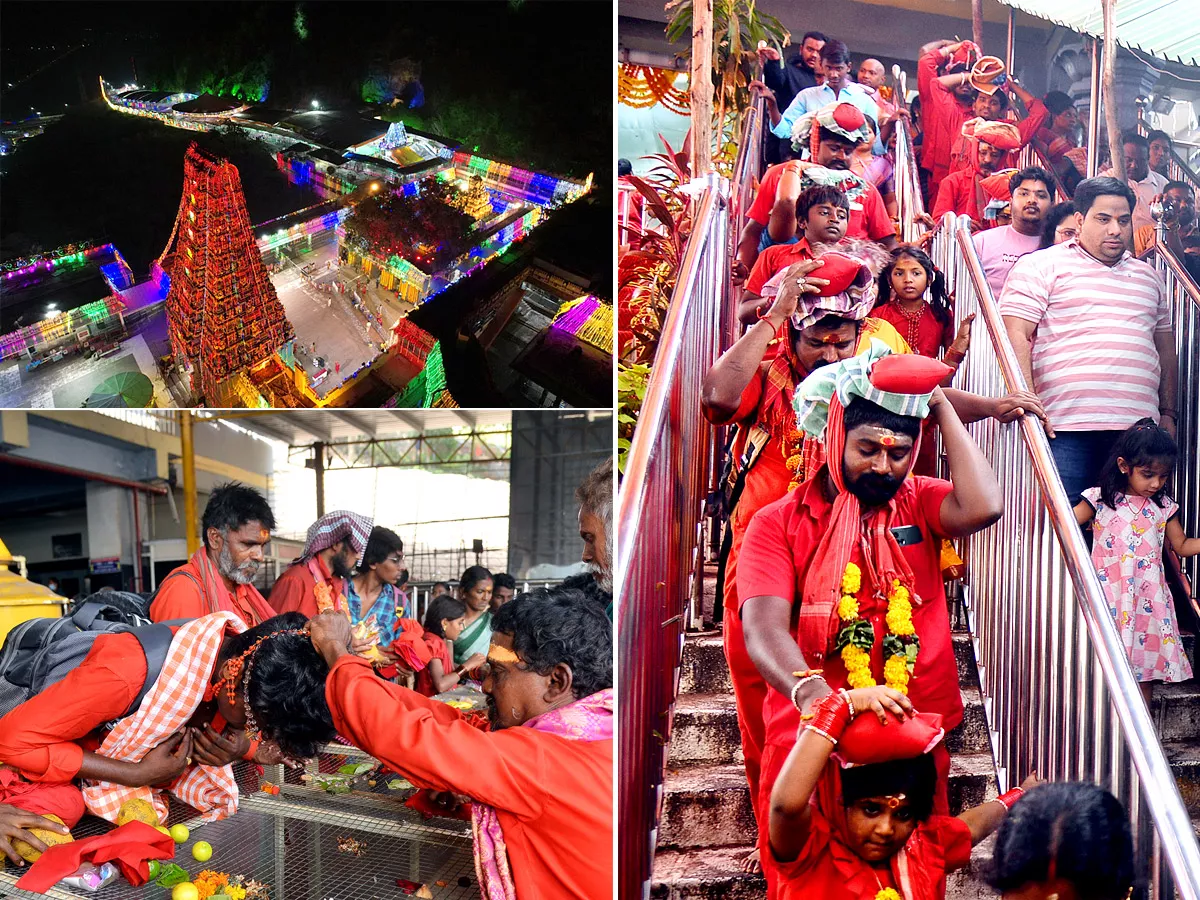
<point>289,842</point>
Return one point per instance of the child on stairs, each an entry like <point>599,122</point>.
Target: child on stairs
<point>871,834</point>
<point>1131,513</point>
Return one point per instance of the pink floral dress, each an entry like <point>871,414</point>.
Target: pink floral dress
<point>1127,551</point>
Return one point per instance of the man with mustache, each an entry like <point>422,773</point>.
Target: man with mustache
<point>1000,248</point>
<point>862,527</point>
<point>542,779</point>
<point>235,528</point>
<point>963,192</point>
<point>595,498</point>
<point>1183,237</point>
<point>316,580</point>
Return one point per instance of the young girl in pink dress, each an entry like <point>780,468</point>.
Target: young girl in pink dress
<point>1130,514</point>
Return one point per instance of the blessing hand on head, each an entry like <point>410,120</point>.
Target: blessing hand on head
<point>330,634</point>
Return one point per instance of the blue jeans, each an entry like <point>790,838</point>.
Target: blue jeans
<point>1080,455</point>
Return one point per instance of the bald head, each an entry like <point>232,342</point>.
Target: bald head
<point>871,73</point>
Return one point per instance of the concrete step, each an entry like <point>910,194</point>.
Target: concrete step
<point>706,732</point>
<point>709,874</point>
<point>709,806</point>
<point>705,670</point>
<point>1185,764</point>
<point>1180,711</point>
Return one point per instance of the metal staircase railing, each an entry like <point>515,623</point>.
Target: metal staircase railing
<point>660,509</point>
<point>909,201</point>
<point>1060,697</point>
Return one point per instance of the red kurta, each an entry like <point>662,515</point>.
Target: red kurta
<point>553,796</point>
<point>868,214</point>
<point>960,149</point>
<point>961,194</point>
<point>942,117</point>
<point>293,592</point>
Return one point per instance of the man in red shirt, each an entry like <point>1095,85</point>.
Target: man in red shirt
<point>541,779</point>
<point>946,101</point>
<point>864,508</point>
<point>962,192</point>
<point>236,525</point>
<point>315,581</point>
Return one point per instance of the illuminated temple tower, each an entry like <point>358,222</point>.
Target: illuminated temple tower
<point>223,314</point>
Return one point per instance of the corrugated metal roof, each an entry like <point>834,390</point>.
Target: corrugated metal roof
<point>1167,29</point>
<point>299,427</point>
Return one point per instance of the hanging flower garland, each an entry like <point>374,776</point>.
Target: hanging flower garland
<point>857,636</point>
<point>644,86</point>
<point>888,894</point>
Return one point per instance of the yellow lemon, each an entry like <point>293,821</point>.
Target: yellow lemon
<point>179,833</point>
<point>202,851</point>
<point>138,810</point>
<point>185,891</point>
<point>49,838</point>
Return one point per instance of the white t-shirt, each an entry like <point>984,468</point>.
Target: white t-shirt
<point>1146,189</point>
<point>999,249</point>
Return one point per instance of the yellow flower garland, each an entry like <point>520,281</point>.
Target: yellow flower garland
<point>888,894</point>
<point>857,637</point>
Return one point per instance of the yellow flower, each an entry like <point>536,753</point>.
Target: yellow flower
<point>896,669</point>
<point>848,608</point>
<point>899,591</point>
<point>852,579</point>
<point>888,894</point>
<point>900,623</point>
<point>793,461</point>
<point>860,679</point>
<point>236,892</point>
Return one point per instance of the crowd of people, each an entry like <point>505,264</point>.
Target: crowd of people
<point>838,535</point>
<point>335,650</point>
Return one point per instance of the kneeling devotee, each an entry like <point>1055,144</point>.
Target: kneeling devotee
<point>842,578</point>
<point>236,525</point>
<point>541,780</point>
<point>223,694</point>
<point>317,579</point>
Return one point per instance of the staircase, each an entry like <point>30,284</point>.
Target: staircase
<point>707,826</point>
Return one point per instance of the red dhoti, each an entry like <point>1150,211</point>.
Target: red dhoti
<point>62,800</point>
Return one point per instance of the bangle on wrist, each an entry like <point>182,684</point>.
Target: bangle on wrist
<point>249,756</point>
<point>1008,798</point>
<point>799,684</point>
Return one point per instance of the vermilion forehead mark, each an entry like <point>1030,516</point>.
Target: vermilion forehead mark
<point>888,441</point>
<point>264,535</point>
<point>831,339</point>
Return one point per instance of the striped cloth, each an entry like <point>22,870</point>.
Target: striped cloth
<point>176,694</point>
<point>1095,364</point>
<point>332,527</point>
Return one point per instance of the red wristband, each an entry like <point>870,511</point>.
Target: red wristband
<point>249,757</point>
<point>830,716</point>
<point>1008,798</point>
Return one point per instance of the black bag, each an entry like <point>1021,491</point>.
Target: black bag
<point>42,652</point>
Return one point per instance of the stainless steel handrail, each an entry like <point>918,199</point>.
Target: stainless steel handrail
<point>1177,168</point>
<point>1060,697</point>
<point>1185,316</point>
<point>909,201</point>
<point>659,517</point>
<point>1030,155</point>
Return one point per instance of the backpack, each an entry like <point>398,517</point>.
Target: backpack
<point>42,652</point>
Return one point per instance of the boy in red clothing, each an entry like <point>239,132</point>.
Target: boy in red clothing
<point>865,754</point>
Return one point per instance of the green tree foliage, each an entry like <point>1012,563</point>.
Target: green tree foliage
<point>425,229</point>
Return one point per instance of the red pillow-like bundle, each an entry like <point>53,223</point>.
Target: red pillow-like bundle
<point>865,741</point>
<point>842,272</point>
<point>908,373</point>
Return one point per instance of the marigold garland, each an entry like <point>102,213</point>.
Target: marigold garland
<point>795,458</point>
<point>644,86</point>
<point>888,894</point>
<point>857,636</point>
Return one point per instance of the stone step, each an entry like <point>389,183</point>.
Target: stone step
<point>709,806</point>
<point>705,730</point>
<point>1185,764</point>
<point>712,873</point>
<point>1180,711</point>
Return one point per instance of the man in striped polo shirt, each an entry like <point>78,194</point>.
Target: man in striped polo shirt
<point>1091,327</point>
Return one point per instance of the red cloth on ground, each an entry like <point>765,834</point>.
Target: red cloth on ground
<point>62,800</point>
<point>553,796</point>
<point>128,848</point>
<point>439,650</point>
<point>293,592</point>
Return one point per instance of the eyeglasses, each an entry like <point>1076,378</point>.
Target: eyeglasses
<point>396,559</point>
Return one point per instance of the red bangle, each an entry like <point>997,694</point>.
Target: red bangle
<point>830,716</point>
<point>758,311</point>
<point>254,745</point>
<point>1008,798</point>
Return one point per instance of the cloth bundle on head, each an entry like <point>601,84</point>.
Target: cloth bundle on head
<point>1001,135</point>
<point>866,741</point>
<point>843,119</point>
<point>995,189</point>
<point>964,57</point>
<point>985,74</point>
<point>332,527</point>
<point>851,268</point>
<point>902,385</point>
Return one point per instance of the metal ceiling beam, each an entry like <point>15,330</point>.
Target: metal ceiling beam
<point>300,423</point>
<point>409,420</point>
<point>469,419</point>
<point>364,427</point>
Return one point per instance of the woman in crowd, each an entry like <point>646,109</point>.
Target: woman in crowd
<point>475,590</point>
<point>444,623</point>
<point>1059,225</point>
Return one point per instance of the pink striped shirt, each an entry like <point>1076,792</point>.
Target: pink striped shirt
<point>1095,364</point>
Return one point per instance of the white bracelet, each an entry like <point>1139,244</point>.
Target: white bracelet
<point>798,684</point>
<point>850,703</point>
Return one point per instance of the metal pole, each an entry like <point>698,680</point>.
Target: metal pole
<point>977,21</point>
<point>1093,147</point>
<point>1110,90</point>
<point>191,524</point>
<point>702,87</point>
<point>1008,58</point>
<point>319,468</point>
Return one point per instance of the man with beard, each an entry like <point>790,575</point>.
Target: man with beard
<point>541,780</point>
<point>316,580</point>
<point>595,498</point>
<point>235,527</point>
<point>861,528</point>
<point>1179,216</point>
<point>1000,248</point>
<point>801,71</point>
<point>961,192</point>
<point>1145,182</point>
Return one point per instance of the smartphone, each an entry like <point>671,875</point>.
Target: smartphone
<point>907,535</point>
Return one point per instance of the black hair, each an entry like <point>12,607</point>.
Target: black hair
<point>828,135</point>
<point>444,584</point>
<point>1132,137</point>
<point>815,196</point>
<point>472,576</point>
<point>447,606</point>
<point>1089,189</point>
<point>914,777</point>
<point>999,95</point>
<point>561,625</point>
<point>1079,830</point>
<point>836,53</point>
<point>939,297</point>
<point>404,577</point>
<point>862,411</point>
<point>232,505</point>
<point>815,35</point>
<point>1058,102</point>
<point>1157,135</point>
<point>624,167</point>
<point>504,580</point>
<point>287,684</point>
<point>1031,173</point>
<point>1172,185</point>
<point>1144,443</point>
<point>1054,218</point>
<point>871,121</point>
<point>382,543</point>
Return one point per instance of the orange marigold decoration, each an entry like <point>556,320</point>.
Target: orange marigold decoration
<point>643,86</point>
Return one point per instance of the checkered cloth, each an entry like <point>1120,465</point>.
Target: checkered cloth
<point>850,378</point>
<point>332,527</point>
<point>172,701</point>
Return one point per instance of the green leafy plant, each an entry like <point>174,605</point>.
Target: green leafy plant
<point>632,380</point>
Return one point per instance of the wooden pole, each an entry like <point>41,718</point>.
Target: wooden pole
<point>187,442</point>
<point>1093,138</point>
<point>1109,92</point>
<point>977,21</point>
<point>1008,56</point>
<point>702,87</point>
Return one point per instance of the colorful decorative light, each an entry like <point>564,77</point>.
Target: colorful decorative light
<point>588,318</point>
